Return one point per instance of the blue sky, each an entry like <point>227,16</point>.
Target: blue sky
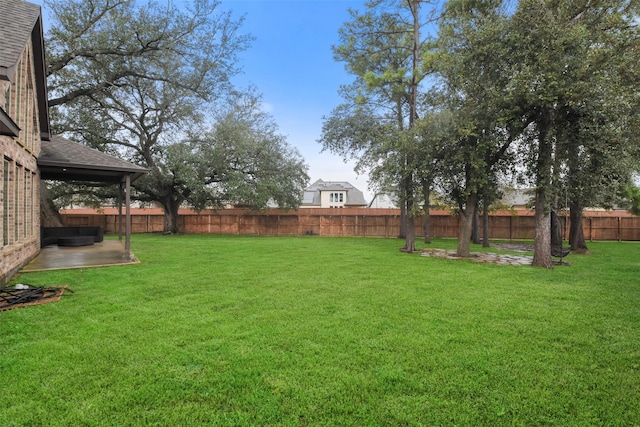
<point>291,64</point>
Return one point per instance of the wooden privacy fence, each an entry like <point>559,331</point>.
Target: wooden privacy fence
<point>347,222</point>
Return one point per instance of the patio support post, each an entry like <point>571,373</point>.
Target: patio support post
<point>127,242</point>
<point>120,211</point>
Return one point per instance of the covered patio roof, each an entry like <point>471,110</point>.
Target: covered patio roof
<point>64,160</point>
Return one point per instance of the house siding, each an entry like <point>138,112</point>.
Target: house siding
<point>320,194</point>
<point>20,190</point>
<point>327,199</point>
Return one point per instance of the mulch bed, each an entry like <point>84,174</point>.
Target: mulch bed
<point>26,295</point>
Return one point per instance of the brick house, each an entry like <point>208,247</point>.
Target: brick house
<point>24,124</point>
<point>29,152</point>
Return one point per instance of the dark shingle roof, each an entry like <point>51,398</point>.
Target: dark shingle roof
<point>65,160</point>
<point>20,21</point>
<point>17,20</point>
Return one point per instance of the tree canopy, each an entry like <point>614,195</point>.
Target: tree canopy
<point>540,89</point>
<point>151,83</point>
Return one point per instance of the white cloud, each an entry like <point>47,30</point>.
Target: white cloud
<point>267,107</point>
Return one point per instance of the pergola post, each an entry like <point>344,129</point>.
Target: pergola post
<point>127,242</point>
<point>120,189</point>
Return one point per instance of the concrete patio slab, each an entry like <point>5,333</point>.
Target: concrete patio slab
<point>101,254</point>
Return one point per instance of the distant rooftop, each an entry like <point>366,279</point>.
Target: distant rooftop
<point>312,195</point>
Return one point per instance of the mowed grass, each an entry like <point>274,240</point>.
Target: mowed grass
<point>228,330</point>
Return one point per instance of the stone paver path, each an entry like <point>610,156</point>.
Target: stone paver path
<point>486,257</point>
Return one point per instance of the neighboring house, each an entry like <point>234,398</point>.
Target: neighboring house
<point>514,198</point>
<point>384,201</point>
<point>332,194</point>
<point>24,124</point>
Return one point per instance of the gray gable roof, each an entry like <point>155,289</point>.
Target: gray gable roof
<point>311,195</point>
<point>64,160</point>
<point>20,21</point>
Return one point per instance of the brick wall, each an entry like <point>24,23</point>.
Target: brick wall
<point>20,190</point>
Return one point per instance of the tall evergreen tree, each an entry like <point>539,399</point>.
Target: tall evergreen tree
<point>383,48</point>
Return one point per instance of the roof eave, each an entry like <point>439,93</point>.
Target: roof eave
<point>37,37</point>
<point>7,126</point>
<point>60,171</point>
<point>6,73</point>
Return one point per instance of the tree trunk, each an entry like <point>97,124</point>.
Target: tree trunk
<point>49,215</point>
<point>475,226</point>
<point>556,235</point>
<point>410,239</point>
<point>485,225</point>
<point>426,191</point>
<point>413,106</point>
<point>542,246</point>
<point>427,227</point>
<point>171,217</point>
<point>576,234</point>
<point>465,224</point>
<point>403,221</point>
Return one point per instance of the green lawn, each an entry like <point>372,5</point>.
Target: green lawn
<point>228,330</point>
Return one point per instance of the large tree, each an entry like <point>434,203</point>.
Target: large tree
<point>470,64</point>
<point>144,81</point>
<point>561,71</point>
<point>240,160</point>
<point>597,135</point>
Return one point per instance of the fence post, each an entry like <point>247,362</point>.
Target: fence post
<point>386,226</point>
<point>510,227</point>
<point>619,229</point>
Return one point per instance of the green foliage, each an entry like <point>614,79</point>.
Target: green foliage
<point>103,45</point>
<point>470,71</point>
<point>234,330</point>
<point>150,94</point>
<point>253,164</point>
<point>384,49</point>
<point>632,196</point>
<point>569,65</point>
<point>542,91</point>
<point>241,159</point>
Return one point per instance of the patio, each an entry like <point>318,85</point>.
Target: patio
<point>101,254</point>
